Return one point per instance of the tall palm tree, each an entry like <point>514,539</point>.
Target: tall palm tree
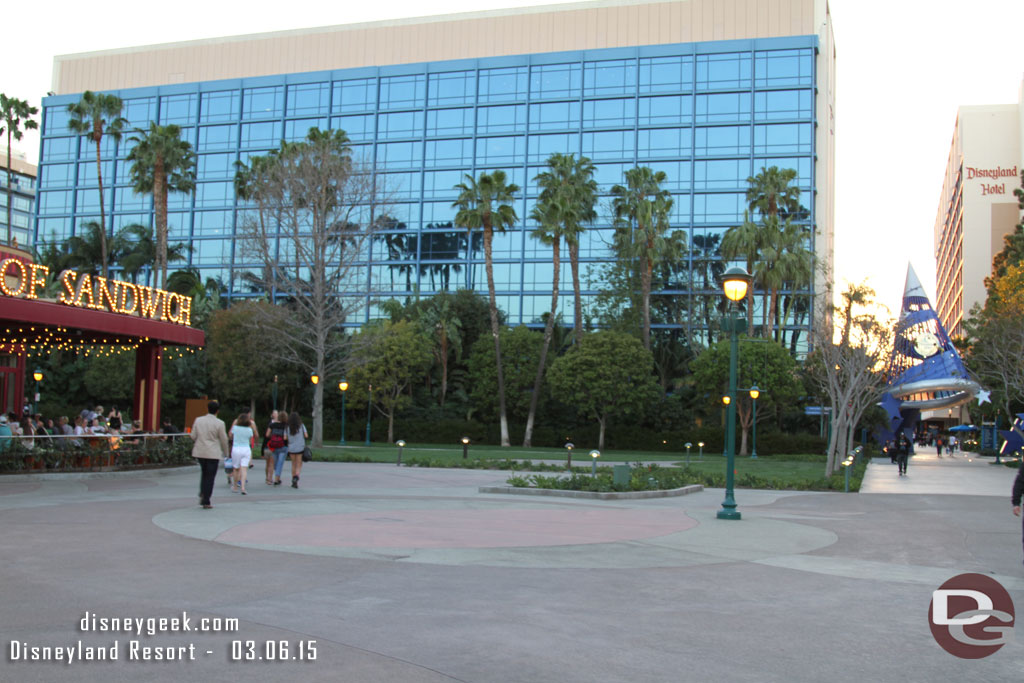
<point>641,215</point>
<point>85,247</point>
<point>744,241</point>
<point>94,116</point>
<point>162,162</point>
<point>567,199</point>
<point>483,204</point>
<point>17,114</point>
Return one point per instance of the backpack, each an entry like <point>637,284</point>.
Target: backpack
<point>276,440</point>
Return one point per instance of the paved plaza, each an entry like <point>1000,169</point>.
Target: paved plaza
<point>407,575</point>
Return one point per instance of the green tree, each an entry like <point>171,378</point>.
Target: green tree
<point>567,198</point>
<point>1012,252</point>
<point>17,114</point>
<point>485,204</point>
<point>94,116</point>
<point>307,224</point>
<point>609,374</point>
<point>441,323</point>
<point>391,355</point>
<point>236,357</point>
<point>520,354</point>
<point>763,363</point>
<point>642,211</point>
<point>161,163</point>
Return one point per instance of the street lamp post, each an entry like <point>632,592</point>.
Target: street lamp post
<point>754,393</point>
<point>594,455</point>
<point>465,447</point>
<point>401,444</point>
<point>700,453</point>
<point>568,449</point>
<point>735,282</point>
<point>688,447</point>
<point>273,393</point>
<point>343,387</point>
<point>37,375</point>
<point>369,412</point>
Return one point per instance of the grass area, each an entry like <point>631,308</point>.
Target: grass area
<point>795,472</point>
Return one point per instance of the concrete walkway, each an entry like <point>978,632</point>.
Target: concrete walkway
<point>409,574</point>
<point>965,474</point>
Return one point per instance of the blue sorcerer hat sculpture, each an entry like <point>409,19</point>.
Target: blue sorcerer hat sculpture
<point>925,371</point>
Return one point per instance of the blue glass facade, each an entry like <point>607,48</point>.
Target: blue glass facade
<point>707,114</point>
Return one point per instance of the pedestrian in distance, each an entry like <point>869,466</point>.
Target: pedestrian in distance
<point>210,444</point>
<point>277,444</point>
<point>297,436</point>
<point>267,454</point>
<point>902,453</point>
<point>243,436</point>
<point>938,445</point>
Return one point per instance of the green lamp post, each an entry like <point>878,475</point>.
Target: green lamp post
<point>735,282</point>
<point>343,388</point>
<point>37,375</point>
<point>754,393</point>
<point>369,412</point>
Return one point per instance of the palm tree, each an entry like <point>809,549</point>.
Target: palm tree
<point>442,323</point>
<point>566,202</point>
<point>162,162</point>
<point>641,216</point>
<point>784,261</point>
<point>483,204</point>
<point>85,247</point>
<point>771,194</point>
<point>744,241</point>
<point>94,116</point>
<point>16,114</point>
<point>136,249</point>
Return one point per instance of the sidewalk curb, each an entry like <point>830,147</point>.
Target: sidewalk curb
<point>141,472</point>
<point>593,495</point>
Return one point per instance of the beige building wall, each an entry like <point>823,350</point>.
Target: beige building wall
<point>580,26</point>
<point>977,207</point>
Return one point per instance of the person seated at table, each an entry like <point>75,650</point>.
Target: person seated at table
<point>5,434</point>
<point>27,431</point>
<point>97,427</point>
<point>167,428</point>
<point>78,431</point>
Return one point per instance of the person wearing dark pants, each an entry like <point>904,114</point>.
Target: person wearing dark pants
<point>211,444</point>
<point>902,453</point>
<point>1018,490</point>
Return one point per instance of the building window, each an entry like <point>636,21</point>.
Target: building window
<point>666,74</point>
<point>454,87</point>
<point>262,103</point>
<point>179,109</point>
<point>720,71</point>
<point>555,80</point>
<point>309,99</point>
<point>555,116</point>
<point>355,95</point>
<point>614,77</point>
<point>449,122</point>
<point>220,106</point>
<point>507,119</point>
<point>503,85</point>
<point>783,68</point>
<point>401,92</point>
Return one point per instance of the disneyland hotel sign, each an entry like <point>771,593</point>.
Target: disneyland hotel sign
<point>96,293</point>
<point>994,174</point>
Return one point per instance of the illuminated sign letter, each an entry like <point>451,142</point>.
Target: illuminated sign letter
<point>37,278</point>
<point>103,292</point>
<point>22,280</point>
<point>150,302</point>
<point>67,281</point>
<point>127,288</point>
<point>83,294</point>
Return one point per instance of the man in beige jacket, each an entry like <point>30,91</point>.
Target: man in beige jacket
<point>211,444</point>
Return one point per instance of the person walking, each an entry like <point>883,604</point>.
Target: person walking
<point>268,455</point>
<point>243,435</point>
<point>210,445</point>
<point>938,445</point>
<point>297,436</point>
<point>902,453</point>
<point>277,444</point>
<point>1018,490</point>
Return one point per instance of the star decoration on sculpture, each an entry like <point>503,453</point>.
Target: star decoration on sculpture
<point>983,396</point>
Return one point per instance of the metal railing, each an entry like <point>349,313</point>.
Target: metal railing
<point>92,452</point>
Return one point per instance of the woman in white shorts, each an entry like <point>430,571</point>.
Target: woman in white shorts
<point>242,434</point>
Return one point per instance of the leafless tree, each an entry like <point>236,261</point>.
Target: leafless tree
<point>311,214</point>
<point>849,367</point>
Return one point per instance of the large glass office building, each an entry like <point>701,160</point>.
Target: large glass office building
<point>709,113</point>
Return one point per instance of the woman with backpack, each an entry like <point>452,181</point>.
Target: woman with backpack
<point>277,444</point>
<point>242,433</point>
<point>297,436</point>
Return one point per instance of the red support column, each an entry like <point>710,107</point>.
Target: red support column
<point>148,385</point>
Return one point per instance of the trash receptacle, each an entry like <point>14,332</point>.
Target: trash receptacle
<point>620,474</point>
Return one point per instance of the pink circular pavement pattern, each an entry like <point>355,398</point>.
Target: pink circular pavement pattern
<point>460,528</point>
